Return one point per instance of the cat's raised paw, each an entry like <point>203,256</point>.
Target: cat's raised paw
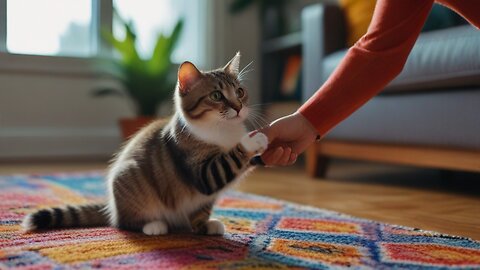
<point>255,143</point>
<point>155,228</point>
<point>215,227</point>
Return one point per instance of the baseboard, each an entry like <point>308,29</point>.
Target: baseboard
<point>50,143</point>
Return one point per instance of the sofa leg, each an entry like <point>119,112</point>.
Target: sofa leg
<point>317,164</point>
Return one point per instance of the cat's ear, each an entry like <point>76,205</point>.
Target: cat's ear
<point>188,75</point>
<point>233,65</point>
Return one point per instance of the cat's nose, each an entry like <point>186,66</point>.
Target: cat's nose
<point>237,108</point>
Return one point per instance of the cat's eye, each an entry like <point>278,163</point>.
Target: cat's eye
<point>216,96</point>
<point>240,92</point>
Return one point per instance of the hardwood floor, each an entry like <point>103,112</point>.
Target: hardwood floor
<point>427,199</point>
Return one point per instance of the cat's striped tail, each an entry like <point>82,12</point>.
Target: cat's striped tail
<point>88,215</point>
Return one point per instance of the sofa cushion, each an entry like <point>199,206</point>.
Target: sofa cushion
<point>441,17</point>
<point>440,59</point>
<point>358,14</point>
<point>442,119</point>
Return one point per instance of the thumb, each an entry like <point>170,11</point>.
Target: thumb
<point>270,131</point>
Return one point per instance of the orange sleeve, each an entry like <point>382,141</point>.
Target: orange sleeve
<point>376,59</point>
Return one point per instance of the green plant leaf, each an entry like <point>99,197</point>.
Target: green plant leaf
<point>147,82</point>
<point>164,48</point>
<point>126,47</point>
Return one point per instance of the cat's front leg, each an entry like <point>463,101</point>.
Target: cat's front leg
<point>210,227</point>
<point>217,171</point>
<point>214,227</point>
<point>202,224</point>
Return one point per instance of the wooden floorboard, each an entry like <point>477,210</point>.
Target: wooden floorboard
<point>399,195</point>
<point>422,156</point>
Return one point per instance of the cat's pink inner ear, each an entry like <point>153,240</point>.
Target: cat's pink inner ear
<point>188,75</point>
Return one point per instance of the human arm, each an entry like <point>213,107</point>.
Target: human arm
<point>377,58</point>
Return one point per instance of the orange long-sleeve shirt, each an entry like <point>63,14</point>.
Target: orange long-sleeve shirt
<point>376,59</point>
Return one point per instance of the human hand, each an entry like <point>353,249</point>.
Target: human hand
<point>289,136</point>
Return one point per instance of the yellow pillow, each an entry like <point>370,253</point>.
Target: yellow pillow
<point>358,14</point>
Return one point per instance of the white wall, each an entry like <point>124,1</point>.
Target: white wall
<point>44,115</point>
<point>244,35</point>
<point>229,34</point>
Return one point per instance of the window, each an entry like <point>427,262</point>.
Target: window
<point>72,28</point>
<point>152,17</point>
<point>50,27</point>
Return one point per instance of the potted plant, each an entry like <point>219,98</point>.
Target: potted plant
<point>145,82</point>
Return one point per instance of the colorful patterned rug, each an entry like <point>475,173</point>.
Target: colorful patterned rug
<point>262,233</point>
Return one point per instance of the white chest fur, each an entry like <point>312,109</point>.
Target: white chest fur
<point>223,134</point>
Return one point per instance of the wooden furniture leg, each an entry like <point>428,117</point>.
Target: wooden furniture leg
<point>317,164</point>
<point>421,156</point>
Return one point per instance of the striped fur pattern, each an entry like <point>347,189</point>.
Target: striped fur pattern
<point>68,216</point>
<point>168,176</point>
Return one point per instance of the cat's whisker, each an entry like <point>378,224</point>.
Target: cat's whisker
<point>253,123</point>
<point>244,71</point>
<point>256,112</point>
<point>254,126</point>
<point>257,124</point>
<point>261,104</point>
<point>259,120</point>
<point>245,67</point>
<point>241,77</point>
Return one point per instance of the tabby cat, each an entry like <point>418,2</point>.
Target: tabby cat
<point>168,176</point>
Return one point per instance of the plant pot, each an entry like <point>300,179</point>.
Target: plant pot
<point>130,126</point>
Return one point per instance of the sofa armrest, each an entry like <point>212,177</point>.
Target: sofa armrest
<point>323,32</point>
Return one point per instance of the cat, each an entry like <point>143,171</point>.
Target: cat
<point>168,176</point>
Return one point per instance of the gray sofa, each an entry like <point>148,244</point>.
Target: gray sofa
<point>433,105</point>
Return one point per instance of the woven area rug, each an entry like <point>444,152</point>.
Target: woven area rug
<point>262,233</point>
